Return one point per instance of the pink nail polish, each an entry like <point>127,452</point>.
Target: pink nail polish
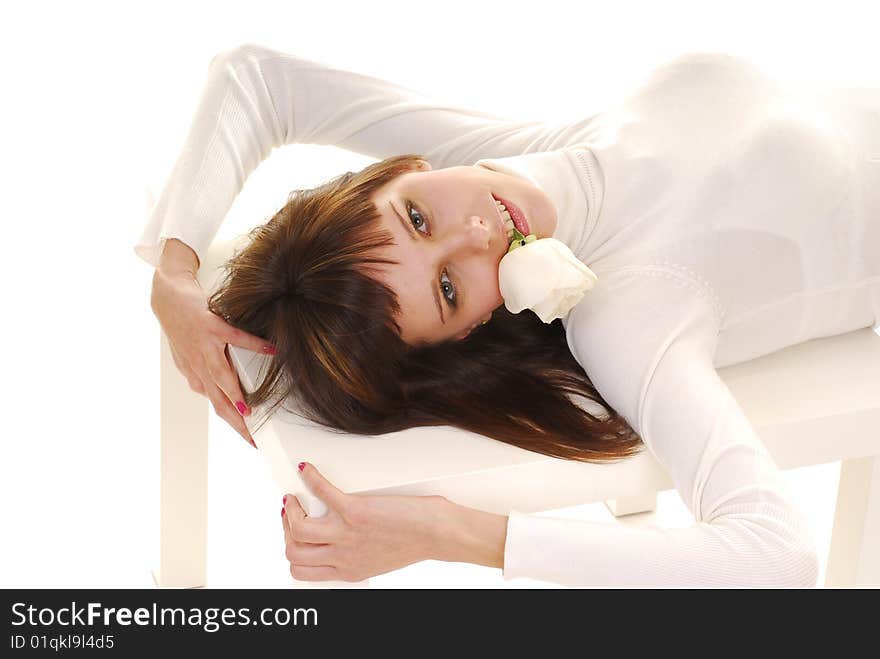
<point>282,512</point>
<point>242,408</point>
<point>301,466</point>
<point>284,500</point>
<point>269,350</point>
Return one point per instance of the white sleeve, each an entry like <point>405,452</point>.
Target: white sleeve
<point>647,346</point>
<point>256,99</point>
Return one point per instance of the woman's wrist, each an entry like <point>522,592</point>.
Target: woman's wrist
<point>177,256</point>
<point>466,535</point>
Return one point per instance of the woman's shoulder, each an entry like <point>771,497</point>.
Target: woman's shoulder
<point>649,286</point>
<point>622,327</point>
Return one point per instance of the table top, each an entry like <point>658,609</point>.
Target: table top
<point>784,394</point>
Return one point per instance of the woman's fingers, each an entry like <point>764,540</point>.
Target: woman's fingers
<point>305,554</point>
<point>198,340</point>
<point>225,378</point>
<point>299,527</point>
<point>308,561</point>
<point>286,526</point>
<point>306,573</point>
<point>223,372</point>
<point>227,412</point>
<point>238,337</point>
<point>195,382</point>
<point>219,383</point>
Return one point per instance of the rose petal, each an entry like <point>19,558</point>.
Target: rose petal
<point>544,276</point>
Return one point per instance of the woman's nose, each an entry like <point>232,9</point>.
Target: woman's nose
<point>474,236</point>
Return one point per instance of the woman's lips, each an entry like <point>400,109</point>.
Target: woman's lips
<point>518,217</point>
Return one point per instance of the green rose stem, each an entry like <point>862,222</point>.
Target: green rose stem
<point>520,241</point>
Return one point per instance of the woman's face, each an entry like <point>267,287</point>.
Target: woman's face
<point>448,240</point>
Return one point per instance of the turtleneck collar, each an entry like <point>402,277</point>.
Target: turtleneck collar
<point>567,176</point>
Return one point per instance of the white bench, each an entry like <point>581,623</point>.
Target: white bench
<point>813,403</point>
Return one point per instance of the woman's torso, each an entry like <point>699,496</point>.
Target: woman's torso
<point>767,197</point>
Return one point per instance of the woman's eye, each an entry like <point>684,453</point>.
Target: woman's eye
<point>453,301</point>
<point>412,209</point>
<point>444,279</point>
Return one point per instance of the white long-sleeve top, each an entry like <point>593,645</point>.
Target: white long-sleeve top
<point>725,214</point>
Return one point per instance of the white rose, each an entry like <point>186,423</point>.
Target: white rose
<point>543,275</point>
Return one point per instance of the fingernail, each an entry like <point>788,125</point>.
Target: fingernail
<point>284,500</point>
<point>301,466</point>
<point>282,512</point>
<point>242,408</point>
<point>269,350</point>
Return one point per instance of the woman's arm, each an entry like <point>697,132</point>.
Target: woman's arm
<point>362,536</point>
<point>255,99</point>
<point>465,535</point>
<point>647,343</point>
<point>178,256</point>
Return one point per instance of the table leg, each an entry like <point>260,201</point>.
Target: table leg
<point>183,487</point>
<point>854,556</point>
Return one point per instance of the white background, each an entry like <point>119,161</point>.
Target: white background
<point>98,99</point>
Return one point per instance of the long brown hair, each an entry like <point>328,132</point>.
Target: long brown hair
<point>304,282</point>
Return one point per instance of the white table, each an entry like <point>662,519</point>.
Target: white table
<point>812,403</point>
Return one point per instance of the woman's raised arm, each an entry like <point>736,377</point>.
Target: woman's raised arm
<point>256,98</point>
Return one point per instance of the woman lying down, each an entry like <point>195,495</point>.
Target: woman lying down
<point>483,271</point>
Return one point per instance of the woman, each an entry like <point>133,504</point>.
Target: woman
<point>725,215</point>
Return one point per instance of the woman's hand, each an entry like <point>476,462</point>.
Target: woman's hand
<point>360,536</point>
<point>197,337</point>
